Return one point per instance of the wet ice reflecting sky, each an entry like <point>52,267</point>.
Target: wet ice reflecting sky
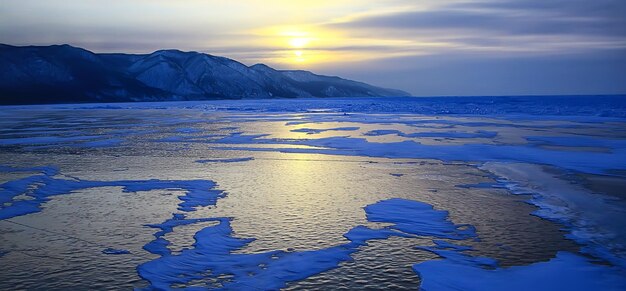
<point>294,182</point>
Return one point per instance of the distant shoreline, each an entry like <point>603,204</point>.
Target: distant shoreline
<point>412,98</point>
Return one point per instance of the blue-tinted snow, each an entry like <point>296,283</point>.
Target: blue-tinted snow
<point>579,141</point>
<point>159,244</point>
<point>320,130</point>
<point>594,221</point>
<point>44,140</point>
<point>448,134</point>
<point>213,261</point>
<point>589,162</point>
<point>40,187</point>
<point>417,218</point>
<point>456,253</point>
<point>565,272</point>
<point>596,229</point>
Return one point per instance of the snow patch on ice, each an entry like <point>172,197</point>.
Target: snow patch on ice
<point>579,141</point>
<point>213,257</point>
<point>47,170</point>
<point>39,189</point>
<point>159,244</point>
<point>320,130</point>
<point>590,162</point>
<point>417,218</point>
<point>447,134</point>
<point>594,221</point>
<point>38,140</point>
<point>565,272</point>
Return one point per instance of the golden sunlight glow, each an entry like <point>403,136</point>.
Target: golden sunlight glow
<point>293,46</point>
<point>299,57</point>
<point>299,42</point>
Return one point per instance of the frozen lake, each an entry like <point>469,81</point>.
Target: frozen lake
<point>480,193</point>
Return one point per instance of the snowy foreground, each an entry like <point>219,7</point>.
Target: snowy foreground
<point>478,193</point>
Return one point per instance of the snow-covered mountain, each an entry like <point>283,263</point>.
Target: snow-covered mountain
<point>62,73</point>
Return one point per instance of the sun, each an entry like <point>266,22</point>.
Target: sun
<point>297,39</point>
<point>299,45</point>
<point>299,42</point>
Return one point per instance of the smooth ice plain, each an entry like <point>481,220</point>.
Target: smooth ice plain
<point>476,193</point>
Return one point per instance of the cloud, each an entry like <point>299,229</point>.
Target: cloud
<point>602,16</point>
<point>553,24</point>
<point>457,39</point>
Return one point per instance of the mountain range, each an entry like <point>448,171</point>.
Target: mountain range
<point>67,74</point>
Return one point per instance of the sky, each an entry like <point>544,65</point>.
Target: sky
<point>427,47</point>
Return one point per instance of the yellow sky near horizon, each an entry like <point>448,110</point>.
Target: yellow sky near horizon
<point>303,33</point>
<point>287,33</point>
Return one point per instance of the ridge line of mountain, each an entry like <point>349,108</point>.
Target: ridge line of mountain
<point>63,73</point>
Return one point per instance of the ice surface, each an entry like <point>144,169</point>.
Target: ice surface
<point>102,143</point>
<point>320,130</point>
<point>455,253</point>
<point>579,141</point>
<point>233,160</point>
<point>459,271</point>
<point>110,251</point>
<point>448,134</point>
<point>39,189</point>
<point>547,131</point>
<point>159,244</point>
<point>590,162</point>
<point>240,137</point>
<point>417,218</point>
<point>197,192</point>
<point>451,113</point>
<point>49,171</point>
<point>595,221</point>
<point>565,272</point>
<point>442,244</point>
<point>592,108</point>
<point>188,130</point>
<point>213,261</point>
<point>44,140</point>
